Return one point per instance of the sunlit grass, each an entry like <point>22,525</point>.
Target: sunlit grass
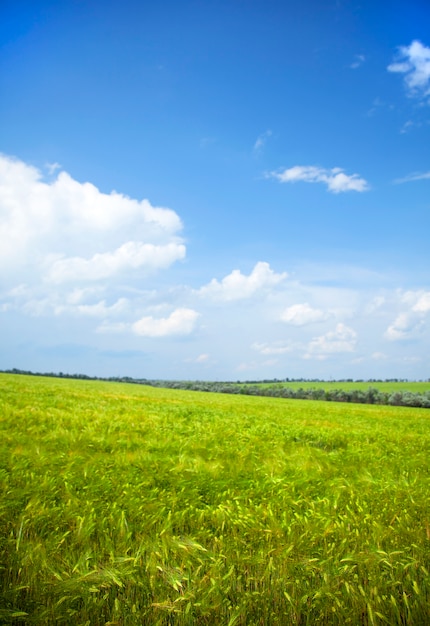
<point>131,505</point>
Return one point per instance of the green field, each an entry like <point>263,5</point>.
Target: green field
<point>129,505</point>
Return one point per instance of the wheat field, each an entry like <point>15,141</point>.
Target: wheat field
<point>129,505</point>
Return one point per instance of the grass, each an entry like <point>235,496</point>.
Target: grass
<point>131,505</point>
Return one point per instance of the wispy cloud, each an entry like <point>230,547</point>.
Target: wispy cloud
<point>52,167</point>
<point>407,126</point>
<point>98,309</point>
<point>335,179</point>
<point>276,347</point>
<point>254,365</point>
<point>359,59</point>
<point>412,177</point>
<point>379,105</point>
<point>261,141</point>
<point>414,62</point>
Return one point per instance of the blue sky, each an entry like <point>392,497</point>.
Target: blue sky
<point>215,189</point>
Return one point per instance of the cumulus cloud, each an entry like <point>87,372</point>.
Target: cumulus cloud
<point>69,249</point>
<point>405,326</point>
<point>237,286</point>
<point>422,305</point>
<point>180,322</point>
<point>414,62</point>
<point>410,323</point>
<point>335,179</point>
<point>342,339</point>
<point>131,255</point>
<point>78,229</point>
<point>78,302</point>
<point>301,314</point>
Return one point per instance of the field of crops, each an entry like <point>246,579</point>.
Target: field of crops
<point>130,505</point>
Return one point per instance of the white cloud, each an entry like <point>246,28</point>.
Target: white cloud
<point>335,179</point>
<point>342,339</point>
<point>79,227</point>
<point>414,62</point>
<point>181,322</point>
<point>84,260</point>
<point>422,305</point>
<point>375,305</point>
<point>99,309</point>
<point>58,234</point>
<point>78,302</point>
<point>409,324</point>
<point>237,286</point>
<point>301,314</point>
<point>131,255</point>
<point>405,326</point>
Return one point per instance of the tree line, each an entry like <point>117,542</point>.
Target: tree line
<point>361,396</point>
<point>372,395</point>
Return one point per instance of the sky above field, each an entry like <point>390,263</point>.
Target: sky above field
<point>213,189</point>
